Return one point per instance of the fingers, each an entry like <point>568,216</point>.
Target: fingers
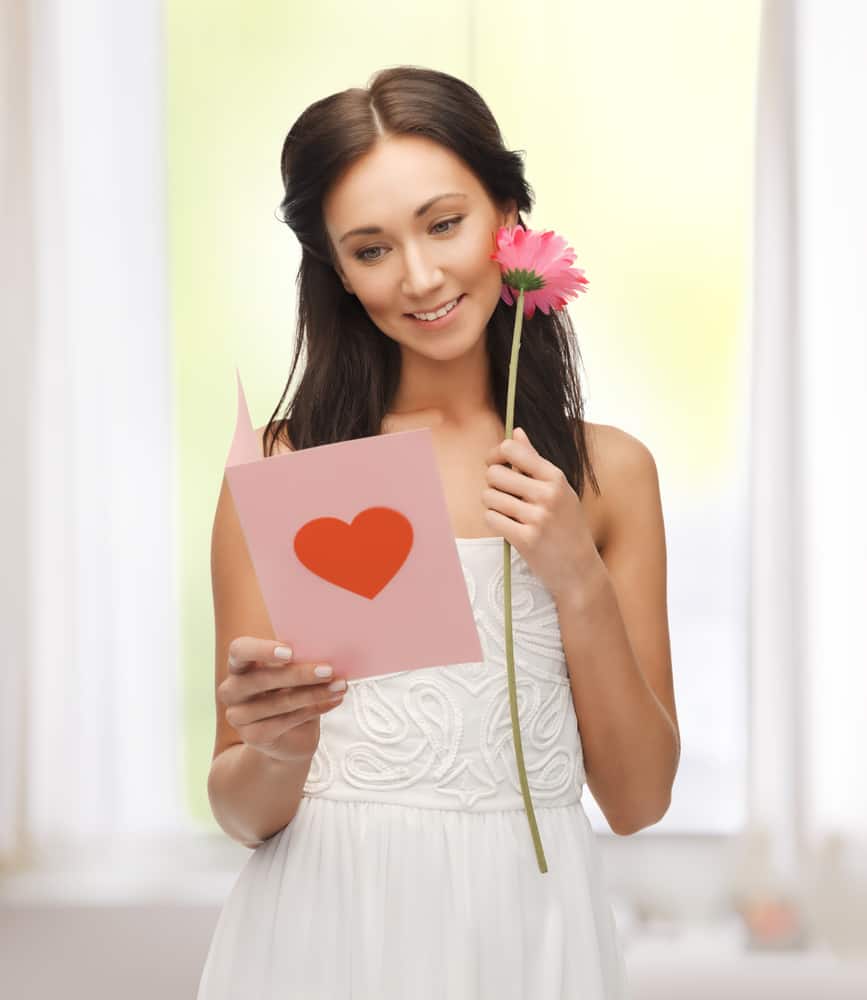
<point>245,652</point>
<point>265,733</point>
<point>246,682</point>
<point>280,704</point>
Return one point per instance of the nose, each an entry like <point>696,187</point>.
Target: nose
<point>422,274</point>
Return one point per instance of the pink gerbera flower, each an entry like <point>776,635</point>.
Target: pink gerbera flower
<point>536,268</point>
<point>539,264</point>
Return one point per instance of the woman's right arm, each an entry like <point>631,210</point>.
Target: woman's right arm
<point>255,794</point>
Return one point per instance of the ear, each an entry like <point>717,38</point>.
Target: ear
<point>510,213</point>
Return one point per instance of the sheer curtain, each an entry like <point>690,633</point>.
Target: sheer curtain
<point>90,709</point>
<point>808,803</point>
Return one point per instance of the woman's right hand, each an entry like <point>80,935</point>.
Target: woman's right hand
<point>274,703</point>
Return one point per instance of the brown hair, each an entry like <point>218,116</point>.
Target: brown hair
<point>352,369</point>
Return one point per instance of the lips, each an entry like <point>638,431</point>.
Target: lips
<point>434,309</point>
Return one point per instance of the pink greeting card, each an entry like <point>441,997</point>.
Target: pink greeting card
<point>353,549</point>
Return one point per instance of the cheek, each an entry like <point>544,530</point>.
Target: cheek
<point>373,293</point>
<point>489,277</point>
<point>483,247</point>
<point>479,269</point>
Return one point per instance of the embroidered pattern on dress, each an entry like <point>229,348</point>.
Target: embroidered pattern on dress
<point>446,732</point>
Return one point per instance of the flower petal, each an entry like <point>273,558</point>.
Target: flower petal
<point>540,261</point>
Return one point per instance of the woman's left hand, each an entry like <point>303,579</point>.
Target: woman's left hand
<point>533,506</point>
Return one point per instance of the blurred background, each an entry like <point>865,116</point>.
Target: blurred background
<point>706,161</point>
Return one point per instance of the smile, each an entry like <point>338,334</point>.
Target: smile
<point>436,318</point>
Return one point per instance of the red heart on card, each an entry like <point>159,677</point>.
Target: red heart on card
<point>362,556</point>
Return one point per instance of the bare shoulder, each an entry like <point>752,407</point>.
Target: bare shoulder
<point>615,452</point>
<point>623,465</point>
<point>282,444</point>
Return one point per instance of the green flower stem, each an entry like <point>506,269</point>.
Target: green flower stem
<point>507,600</point>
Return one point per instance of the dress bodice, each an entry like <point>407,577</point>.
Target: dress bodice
<point>441,737</point>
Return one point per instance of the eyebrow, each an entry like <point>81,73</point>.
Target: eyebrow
<point>419,212</point>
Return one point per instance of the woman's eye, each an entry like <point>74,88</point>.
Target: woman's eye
<point>447,222</point>
<point>360,254</point>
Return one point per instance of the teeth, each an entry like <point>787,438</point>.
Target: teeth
<point>436,315</point>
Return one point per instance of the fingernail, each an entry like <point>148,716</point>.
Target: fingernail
<point>323,671</point>
<point>337,685</point>
<point>283,653</point>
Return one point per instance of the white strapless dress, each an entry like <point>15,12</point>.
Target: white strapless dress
<point>408,871</point>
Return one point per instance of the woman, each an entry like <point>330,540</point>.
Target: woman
<point>391,851</point>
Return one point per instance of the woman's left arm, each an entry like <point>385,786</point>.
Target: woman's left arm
<point>612,610</point>
<point>614,626</point>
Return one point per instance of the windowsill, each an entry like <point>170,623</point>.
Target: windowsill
<point>720,953</point>
<point>200,867</point>
<point>180,888</point>
<point>196,868</point>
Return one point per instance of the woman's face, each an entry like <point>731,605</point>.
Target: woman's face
<point>416,263</point>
